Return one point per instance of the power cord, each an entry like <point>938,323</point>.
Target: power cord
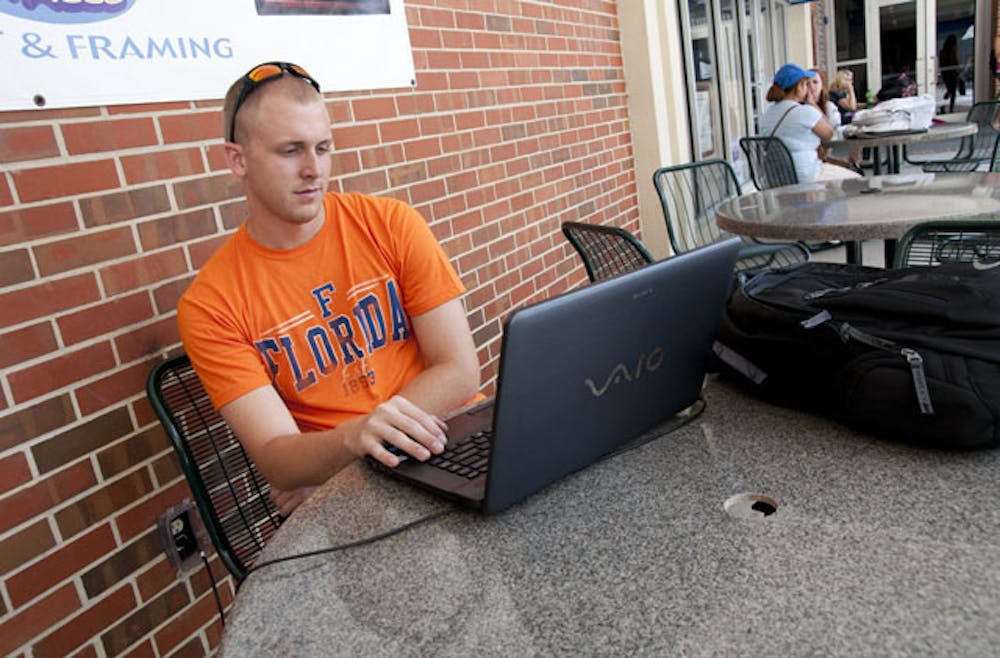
<point>353,544</point>
<point>215,588</point>
<point>682,420</point>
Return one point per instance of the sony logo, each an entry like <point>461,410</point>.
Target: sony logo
<point>623,372</point>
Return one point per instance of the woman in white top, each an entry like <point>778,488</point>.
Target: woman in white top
<point>802,127</point>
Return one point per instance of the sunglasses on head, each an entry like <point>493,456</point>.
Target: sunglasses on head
<point>257,76</point>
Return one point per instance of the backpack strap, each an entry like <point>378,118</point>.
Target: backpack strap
<point>775,129</point>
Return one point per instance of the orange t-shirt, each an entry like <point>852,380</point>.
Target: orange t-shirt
<point>326,323</point>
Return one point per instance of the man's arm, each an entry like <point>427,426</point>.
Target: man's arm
<point>290,459</point>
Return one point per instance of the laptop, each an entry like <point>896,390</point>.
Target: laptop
<point>581,374</point>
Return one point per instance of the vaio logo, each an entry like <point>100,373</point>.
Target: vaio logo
<point>627,373</point>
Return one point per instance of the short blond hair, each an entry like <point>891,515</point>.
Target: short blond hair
<point>303,93</point>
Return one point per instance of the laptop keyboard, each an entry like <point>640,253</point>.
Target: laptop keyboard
<point>467,457</point>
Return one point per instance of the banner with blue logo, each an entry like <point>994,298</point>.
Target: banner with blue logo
<point>77,53</point>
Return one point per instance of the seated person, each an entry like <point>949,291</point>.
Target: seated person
<point>328,325</point>
<point>800,125</point>
<point>843,96</point>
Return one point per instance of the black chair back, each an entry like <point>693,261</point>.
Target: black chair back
<point>935,243</point>
<point>232,497</point>
<point>770,161</point>
<point>974,150</point>
<point>606,250</point>
<point>691,193</point>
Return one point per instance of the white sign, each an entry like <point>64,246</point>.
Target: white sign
<point>71,53</point>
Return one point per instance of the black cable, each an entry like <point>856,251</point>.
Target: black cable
<point>643,440</point>
<point>353,544</point>
<point>215,588</point>
<point>697,408</point>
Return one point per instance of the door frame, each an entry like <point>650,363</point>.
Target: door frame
<point>925,66</point>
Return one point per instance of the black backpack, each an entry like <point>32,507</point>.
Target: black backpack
<point>910,354</point>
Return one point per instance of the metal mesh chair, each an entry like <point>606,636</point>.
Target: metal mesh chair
<point>690,194</point>
<point>974,150</point>
<point>232,497</point>
<point>770,162</point>
<point>606,250</point>
<point>935,243</point>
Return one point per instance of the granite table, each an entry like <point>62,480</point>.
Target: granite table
<point>856,209</point>
<point>892,142</point>
<point>873,548</point>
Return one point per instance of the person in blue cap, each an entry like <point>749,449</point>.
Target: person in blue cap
<point>802,127</point>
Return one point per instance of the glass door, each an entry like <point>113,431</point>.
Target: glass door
<point>850,39</point>
<point>956,60</point>
<point>897,53</point>
<point>731,47</point>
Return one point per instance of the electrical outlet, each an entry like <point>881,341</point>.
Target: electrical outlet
<point>181,535</point>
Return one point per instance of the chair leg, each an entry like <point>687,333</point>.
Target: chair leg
<point>853,252</point>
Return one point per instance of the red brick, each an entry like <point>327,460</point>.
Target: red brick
<point>62,370</point>
<point>415,103</point>
<point>191,127</point>
<point>47,298</point>
<point>25,143</point>
<point>217,158</point>
<point>368,183</point>
<point>143,650</point>
<point>124,206</point>
<point>84,250</point>
<point>148,340</point>
<point>28,503</point>
<point>65,179</point>
<point>116,387</point>
<point>101,136</point>
<point>149,616</point>
<point>207,190</point>
<point>33,621</point>
<point>367,109</point>
<point>186,624</point>
<point>6,197</point>
<point>355,136</point>
<point>144,271</point>
<point>14,472</point>
<point>168,231</point>
<point>162,165</point>
<point>420,149</point>
<point>138,519</point>
<point>25,545</point>
<point>154,580</point>
<point>15,267</point>
<point>84,513</point>
<point>87,624</point>
<point>202,251</point>
<point>88,651</point>
<point>380,156</point>
<point>60,565</point>
<point>104,318</point>
<point>394,131</point>
<point>165,297</point>
<point>24,224</point>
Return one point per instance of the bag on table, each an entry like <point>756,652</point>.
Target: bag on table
<point>910,354</point>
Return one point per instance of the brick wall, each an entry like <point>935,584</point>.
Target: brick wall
<point>517,123</point>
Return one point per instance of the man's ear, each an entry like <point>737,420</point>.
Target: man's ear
<point>235,159</point>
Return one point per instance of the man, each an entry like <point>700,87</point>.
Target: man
<point>329,325</point>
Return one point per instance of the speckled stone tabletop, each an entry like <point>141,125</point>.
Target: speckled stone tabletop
<point>879,207</point>
<point>876,548</point>
<point>936,132</point>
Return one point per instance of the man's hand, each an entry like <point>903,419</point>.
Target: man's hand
<point>400,423</point>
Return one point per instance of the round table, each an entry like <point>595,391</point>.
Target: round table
<point>855,209</point>
<point>892,141</point>
<point>875,546</point>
